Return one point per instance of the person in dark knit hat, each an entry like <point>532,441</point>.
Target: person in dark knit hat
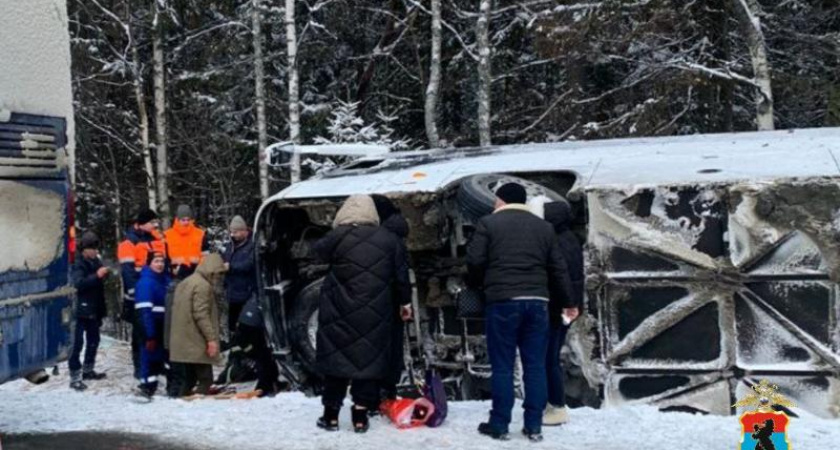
<point>514,258</point>
<point>88,275</point>
<point>559,215</point>
<point>141,238</point>
<point>391,218</point>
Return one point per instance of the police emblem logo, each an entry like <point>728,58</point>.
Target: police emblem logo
<point>764,428</point>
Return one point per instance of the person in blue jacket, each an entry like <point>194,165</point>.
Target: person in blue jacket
<point>150,308</point>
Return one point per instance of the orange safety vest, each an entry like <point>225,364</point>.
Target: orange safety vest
<point>130,252</point>
<point>184,244</point>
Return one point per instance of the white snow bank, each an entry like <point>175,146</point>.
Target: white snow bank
<point>288,421</point>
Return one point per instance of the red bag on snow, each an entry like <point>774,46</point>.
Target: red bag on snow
<point>407,412</point>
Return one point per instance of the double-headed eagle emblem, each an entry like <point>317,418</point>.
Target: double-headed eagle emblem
<point>764,397</point>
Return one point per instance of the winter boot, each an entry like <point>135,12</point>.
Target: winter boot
<point>93,375</point>
<point>144,392</point>
<point>360,419</point>
<point>329,421</point>
<point>487,430</point>
<point>555,415</point>
<point>532,435</point>
<point>76,381</point>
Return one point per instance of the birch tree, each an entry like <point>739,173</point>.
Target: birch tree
<point>143,118</point>
<point>294,87</point>
<point>259,86</point>
<point>747,13</point>
<point>160,112</point>
<point>484,76</point>
<point>433,89</point>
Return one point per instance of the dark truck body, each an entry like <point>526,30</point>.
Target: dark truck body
<point>712,262</point>
<point>36,154</point>
<point>35,209</point>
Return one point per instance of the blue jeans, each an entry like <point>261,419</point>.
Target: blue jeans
<point>86,329</point>
<point>553,366</point>
<point>522,324</point>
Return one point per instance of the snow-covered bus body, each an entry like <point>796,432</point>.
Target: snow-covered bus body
<point>712,261</point>
<point>36,136</point>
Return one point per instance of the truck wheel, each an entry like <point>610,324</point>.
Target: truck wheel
<point>303,324</point>
<point>477,198</point>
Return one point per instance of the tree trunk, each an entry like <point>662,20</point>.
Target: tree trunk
<point>484,78</point>
<point>747,12</point>
<point>143,114</point>
<point>259,77</point>
<point>294,102</point>
<point>433,88</point>
<point>160,115</point>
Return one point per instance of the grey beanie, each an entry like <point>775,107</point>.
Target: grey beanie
<point>237,224</point>
<point>184,211</point>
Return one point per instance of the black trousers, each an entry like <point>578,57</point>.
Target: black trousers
<point>253,339</point>
<point>397,363</point>
<point>198,376</point>
<point>86,330</point>
<point>234,310</point>
<point>364,392</point>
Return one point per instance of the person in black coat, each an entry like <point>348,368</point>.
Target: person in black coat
<point>251,335</point>
<point>514,257</point>
<point>368,274</point>
<point>392,220</point>
<point>559,215</point>
<point>88,275</point>
<point>241,277</point>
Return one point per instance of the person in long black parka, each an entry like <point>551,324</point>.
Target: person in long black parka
<point>368,274</point>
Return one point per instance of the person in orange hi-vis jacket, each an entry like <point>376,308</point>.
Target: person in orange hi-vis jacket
<point>141,238</point>
<point>186,243</point>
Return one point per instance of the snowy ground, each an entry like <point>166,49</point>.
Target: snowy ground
<point>288,421</point>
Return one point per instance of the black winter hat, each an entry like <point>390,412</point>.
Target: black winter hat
<point>89,240</point>
<point>152,255</point>
<point>558,214</point>
<point>145,216</point>
<point>512,193</point>
<point>385,208</point>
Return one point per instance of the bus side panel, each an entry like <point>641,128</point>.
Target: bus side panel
<point>34,334</point>
<point>36,296</point>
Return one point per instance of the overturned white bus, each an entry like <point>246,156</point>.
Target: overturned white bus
<point>712,261</point>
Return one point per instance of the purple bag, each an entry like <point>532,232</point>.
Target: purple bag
<point>435,393</point>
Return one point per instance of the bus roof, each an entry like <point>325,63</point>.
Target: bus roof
<point>701,158</point>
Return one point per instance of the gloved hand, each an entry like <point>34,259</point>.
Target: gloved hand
<point>151,345</point>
